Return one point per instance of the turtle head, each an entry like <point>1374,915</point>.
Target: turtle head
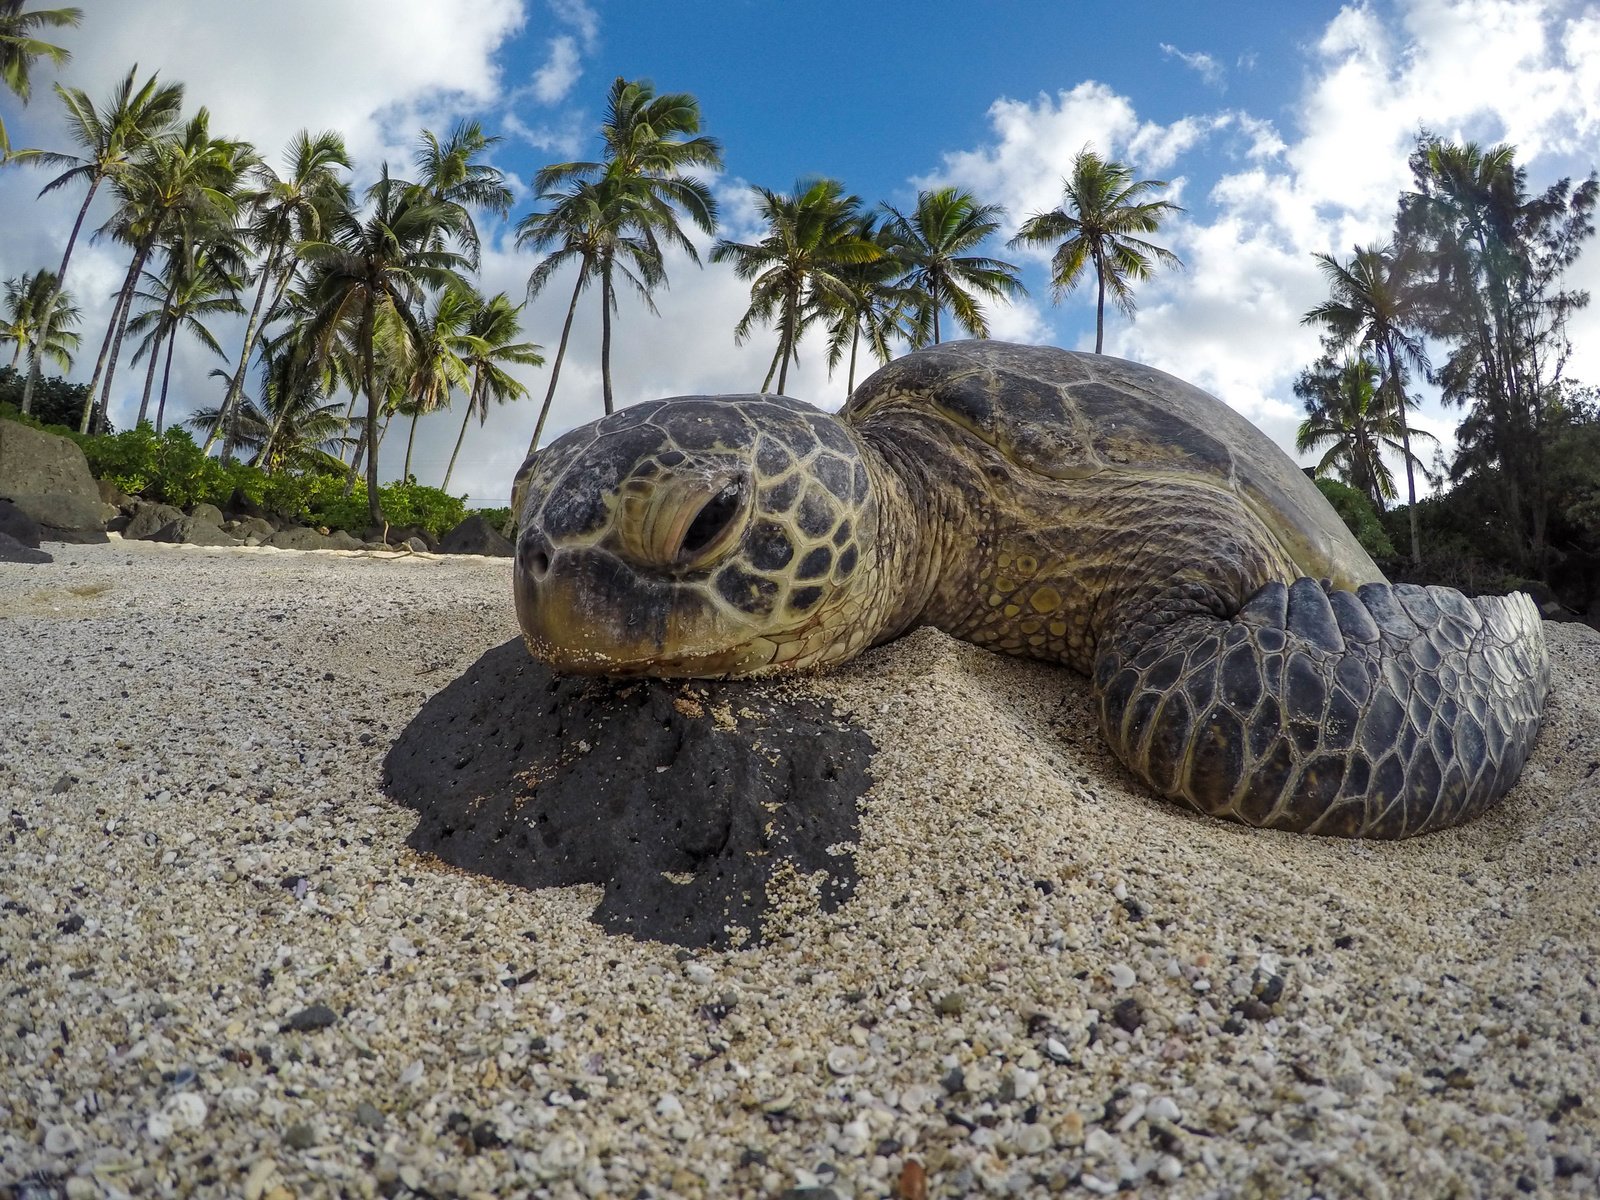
<point>695,537</point>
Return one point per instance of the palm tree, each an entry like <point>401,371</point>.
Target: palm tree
<point>436,366</point>
<point>20,49</point>
<point>286,209</point>
<point>295,426</point>
<point>650,142</point>
<point>799,268</point>
<point>491,332</point>
<point>592,225</point>
<point>1369,309</point>
<point>1105,207</point>
<point>875,304</point>
<point>930,245</point>
<point>37,321</point>
<point>108,138</point>
<point>195,286</point>
<point>178,186</point>
<point>1345,406</point>
<point>372,272</point>
<point>450,174</point>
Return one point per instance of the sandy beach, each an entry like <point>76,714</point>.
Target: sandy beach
<point>225,973</point>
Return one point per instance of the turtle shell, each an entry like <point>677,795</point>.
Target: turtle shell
<point>1068,415</point>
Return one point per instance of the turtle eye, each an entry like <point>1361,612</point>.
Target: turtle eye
<point>714,521</point>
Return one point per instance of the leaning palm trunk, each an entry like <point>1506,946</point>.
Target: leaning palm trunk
<point>55,296</point>
<point>472,402</point>
<point>555,369</point>
<point>411,441</point>
<point>252,326</point>
<point>122,302</point>
<point>150,376</point>
<point>121,325</point>
<point>166,378</point>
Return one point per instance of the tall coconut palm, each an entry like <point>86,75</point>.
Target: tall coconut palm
<point>814,236</point>
<point>875,305</point>
<point>451,174</point>
<point>108,139</point>
<point>284,210</point>
<point>20,49</point>
<point>1105,208</point>
<point>1369,308</point>
<point>373,271</point>
<point>1347,411</point>
<point>931,244</point>
<point>596,227</point>
<point>38,320</point>
<point>178,185</point>
<point>437,363</point>
<point>196,285</point>
<point>493,331</point>
<point>650,141</point>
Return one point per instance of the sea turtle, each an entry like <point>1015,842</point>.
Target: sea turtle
<point>1248,657</point>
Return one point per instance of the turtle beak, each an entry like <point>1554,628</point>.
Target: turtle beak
<point>585,612</point>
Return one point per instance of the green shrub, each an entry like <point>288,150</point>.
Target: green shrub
<point>411,503</point>
<point>1356,511</point>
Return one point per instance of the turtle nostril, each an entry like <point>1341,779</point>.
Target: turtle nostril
<point>535,559</point>
<point>540,563</point>
<point>712,520</point>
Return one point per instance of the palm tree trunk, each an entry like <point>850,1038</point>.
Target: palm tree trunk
<point>150,376</point>
<point>17,354</point>
<point>555,369</point>
<point>374,512</point>
<point>472,402</point>
<point>933,298</point>
<point>411,441</point>
<point>1099,306</point>
<point>122,301</point>
<point>356,459</point>
<point>605,340</point>
<point>61,283</point>
<point>1399,396</point>
<point>166,378</point>
<point>772,368</point>
<point>122,328</point>
<point>850,381</point>
<point>236,382</point>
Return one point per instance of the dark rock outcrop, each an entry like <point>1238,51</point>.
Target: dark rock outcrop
<point>47,477</point>
<point>148,519</point>
<point>681,799</point>
<point>475,536</point>
<point>192,531</point>
<point>18,525</point>
<point>247,527</point>
<point>13,551</point>
<point>207,512</point>
<point>343,539</point>
<point>297,537</point>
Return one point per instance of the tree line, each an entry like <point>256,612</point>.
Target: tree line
<point>372,294</point>
<point>1469,295</point>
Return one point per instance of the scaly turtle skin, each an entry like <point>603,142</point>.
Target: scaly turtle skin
<point>1249,658</point>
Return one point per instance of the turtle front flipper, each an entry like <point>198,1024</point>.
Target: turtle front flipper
<point>1387,712</point>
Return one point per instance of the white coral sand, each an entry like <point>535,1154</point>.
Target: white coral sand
<point>1046,980</point>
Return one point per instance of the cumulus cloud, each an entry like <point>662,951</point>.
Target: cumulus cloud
<point>1324,181</point>
<point>561,71</point>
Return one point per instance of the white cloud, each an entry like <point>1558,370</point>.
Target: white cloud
<point>1524,71</point>
<point>561,71</point>
<point>1208,68</point>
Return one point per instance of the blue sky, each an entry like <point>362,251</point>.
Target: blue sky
<point>1283,128</point>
